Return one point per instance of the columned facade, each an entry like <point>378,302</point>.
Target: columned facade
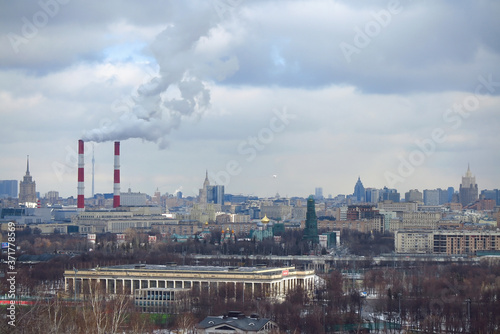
<point>238,282</point>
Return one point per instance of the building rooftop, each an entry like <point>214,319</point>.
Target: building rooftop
<point>234,321</point>
<point>262,270</point>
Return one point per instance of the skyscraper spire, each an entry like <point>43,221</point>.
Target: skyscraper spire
<point>468,192</point>
<point>27,187</point>
<point>468,173</point>
<point>27,165</point>
<point>93,165</point>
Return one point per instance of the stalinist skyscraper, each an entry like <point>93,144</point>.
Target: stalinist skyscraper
<point>203,196</point>
<point>27,187</point>
<point>468,189</point>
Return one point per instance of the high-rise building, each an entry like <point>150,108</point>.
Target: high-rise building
<point>443,196</point>
<point>468,192</point>
<point>211,194</point>
<point>132,198</point>
<point>431,197</point>
<point>311,228</point>
<point>491,194</point>
<point>372,195</point>
<point>413,196</point>
<point>52,197</point>
<point>451,191</point>
<point>318,193</point>
<point>203,191</point>
<point>215,194</point>
<point>27,187</point>
<point>8,188</point>
<point>387,194</point>
<point>359,191</point>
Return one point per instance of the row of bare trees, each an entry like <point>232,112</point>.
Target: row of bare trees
<point>428,298</point>
<point>98,313</point>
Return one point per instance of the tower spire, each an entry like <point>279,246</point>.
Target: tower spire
<point>27,165</point>
<point>93,166</point>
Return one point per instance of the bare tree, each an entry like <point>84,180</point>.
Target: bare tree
<point>185,323</point>
<point>103,313</point>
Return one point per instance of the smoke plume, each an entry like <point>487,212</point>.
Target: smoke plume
<point>180,89</point>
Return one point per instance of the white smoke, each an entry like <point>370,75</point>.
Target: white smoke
<point>180,89</point>
<point>178,190</point>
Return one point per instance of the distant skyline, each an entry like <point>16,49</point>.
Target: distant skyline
<point>268,96</point>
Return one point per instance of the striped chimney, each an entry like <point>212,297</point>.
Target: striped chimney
<point>80,199</point>
<point>116,187</point>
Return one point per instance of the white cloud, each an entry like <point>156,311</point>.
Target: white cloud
<point>208,84</point>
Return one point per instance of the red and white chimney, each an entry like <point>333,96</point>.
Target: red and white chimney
<point>81,197</point>
<point>116,187</point>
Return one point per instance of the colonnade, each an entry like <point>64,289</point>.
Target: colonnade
<point>116,285</point>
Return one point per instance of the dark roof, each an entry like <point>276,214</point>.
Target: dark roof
<point>36,258</point>
<point>242,323</point>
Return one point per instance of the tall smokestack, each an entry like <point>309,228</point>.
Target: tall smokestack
<point>80,199</point>
<point>116,188</point>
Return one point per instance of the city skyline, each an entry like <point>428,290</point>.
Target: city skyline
<point>210,193</point>
<point>233,87</point>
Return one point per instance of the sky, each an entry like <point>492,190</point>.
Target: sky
<point>267,96</point>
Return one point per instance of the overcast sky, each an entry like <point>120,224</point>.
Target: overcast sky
<point>268,96</point>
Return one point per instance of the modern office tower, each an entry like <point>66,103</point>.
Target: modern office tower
<point>387,194</point>
<point>311,228</point>
<point>443,196</point>
<point>468,192</point>
<point>318,193</point>
<point>451,191</point>
<point>27,187</point>
<point>211,194</point>
<point>215,194</point>
<point>413,196</point>
<point>359,191</point>
<point>8,188</point>
<point>491,194</point>
<point>431,197</point>
<point>372,195</point>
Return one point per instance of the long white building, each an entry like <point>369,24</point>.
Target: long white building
<point>130,279</point>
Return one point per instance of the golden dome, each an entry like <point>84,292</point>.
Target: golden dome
<point>265,220</point>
